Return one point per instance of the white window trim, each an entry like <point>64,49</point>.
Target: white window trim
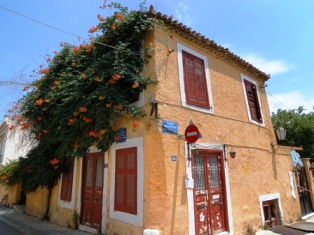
<point>68,204</point>
<point>137,219</point>
<point>269,197</point>
<point>181,47</point>
<point>243,77</point>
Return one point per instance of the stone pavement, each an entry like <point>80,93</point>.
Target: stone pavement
<point>30,225</point>
<point>305,227</point>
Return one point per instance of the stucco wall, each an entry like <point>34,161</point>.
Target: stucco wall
<point>257,169</point>
<point>36,202</point>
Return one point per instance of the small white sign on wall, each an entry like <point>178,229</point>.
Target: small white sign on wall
<point>292,185</point>
<point>189,183</point>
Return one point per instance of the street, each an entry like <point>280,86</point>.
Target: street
<point>6,229</point>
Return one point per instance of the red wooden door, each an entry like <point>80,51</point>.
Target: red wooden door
<point>209,194</point>
<point>92,190</point>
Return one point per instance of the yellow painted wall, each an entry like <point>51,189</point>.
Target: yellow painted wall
<point>36,202</point>
<point>13,192</point>
<point>257,170</point>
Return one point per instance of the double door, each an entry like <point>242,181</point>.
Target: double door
<point>209,194</point>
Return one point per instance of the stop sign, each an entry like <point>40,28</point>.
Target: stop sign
<point>191,133</point>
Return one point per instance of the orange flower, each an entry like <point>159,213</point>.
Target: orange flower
<point>45,131</point>
<point>83,75</point>
<point>87,120</point>
<point>56,83</point>
<point>71,121</point>
<point>75,49</point>
<point>135,124</point>
<point>97,79</point>
<point>112,81</point>
<point>116,138</point>
<point>73,64</point>
<point>93,29</point>
<point>20,118</point>
<point>101,97</point>
<point>23,126</point>
<point>39,101</point>
<point>113,26</point>
<point>11,127</point>
<point>148,125</point>
<point>108,105</point>
<point>44,71</point>
<point>75,113</point>
<point>101,132</point>
<point>37,137</point>
<point>116,76</point>
<point>83,109</point>
<point>120,107</point>
<point>135,85</point>
<point>93,134</point>
<point>39,118</point>
<point>120,16</point>
<point>100,18</point>
<point>55,52</point>
<point>26,88</point>
<point>53,87</point>
<point>54,161</point>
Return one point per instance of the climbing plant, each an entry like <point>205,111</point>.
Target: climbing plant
<point>76,99</point>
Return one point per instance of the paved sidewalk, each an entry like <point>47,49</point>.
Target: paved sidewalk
<point>30,225</point>
<point>309,229</point>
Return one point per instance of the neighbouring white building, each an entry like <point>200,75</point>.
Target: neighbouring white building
<point>14,142</point>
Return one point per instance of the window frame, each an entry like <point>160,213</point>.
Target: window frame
<point>124,172</point>
<point>133,219</point>
<point>257,100</point>
<point>181,49</point>
<point>67,184</point>
<point>63,203</point>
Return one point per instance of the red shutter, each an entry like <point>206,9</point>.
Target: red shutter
<point>195,81</point>
<point>126,180</point>
<point>67,182</point>
<point>253,102</point>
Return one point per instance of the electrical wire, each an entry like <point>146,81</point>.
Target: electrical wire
<point>278,100</point>
<point>63,31</point>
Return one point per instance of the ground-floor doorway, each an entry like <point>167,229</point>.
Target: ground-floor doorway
<point>92,190</point>
<point>210,204</point>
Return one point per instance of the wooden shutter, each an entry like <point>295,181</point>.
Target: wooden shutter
<point>252,99</point>
<point>195,81</point>
<point>126,180</point>
<point>67,182</point>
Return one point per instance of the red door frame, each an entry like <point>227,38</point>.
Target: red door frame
<point>92,196</point>
<point>202,199</point>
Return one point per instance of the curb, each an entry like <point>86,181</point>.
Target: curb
<point>22,228</point>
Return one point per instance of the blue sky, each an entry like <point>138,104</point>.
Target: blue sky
<point>275,36</point>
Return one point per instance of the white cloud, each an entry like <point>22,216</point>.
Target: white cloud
<point>270,67</point>
<point>290,100</point>
<point>182,15</point>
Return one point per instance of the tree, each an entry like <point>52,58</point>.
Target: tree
<point>78,96</point>
<point>300,128</point>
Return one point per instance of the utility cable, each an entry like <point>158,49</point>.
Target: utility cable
<point>63,31</point>
<point>278,100</point>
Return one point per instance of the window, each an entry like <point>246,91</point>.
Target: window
<point>194,80</point>
<point>67,182</point>
<point>125,197</point>
<point>252,100</point>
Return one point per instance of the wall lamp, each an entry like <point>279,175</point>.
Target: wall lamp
<point>232,153</point>
<point>281,135</point>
